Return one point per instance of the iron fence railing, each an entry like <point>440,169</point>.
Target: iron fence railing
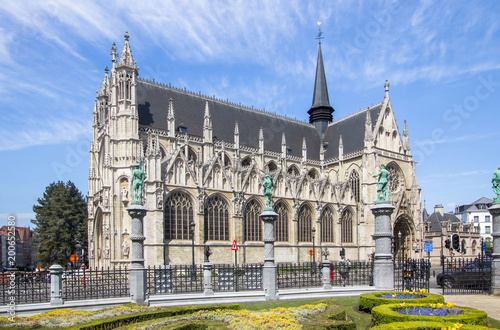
<point>171,279</point>
<point>243,277</point>
<point>411,274</point>
<point>358,273</point>
<point>299,275</point>
<point>465,275</point>
<point>95,283</point>
<point>24,287</point>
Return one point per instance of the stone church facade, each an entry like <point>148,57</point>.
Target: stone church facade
<point>205,161</point>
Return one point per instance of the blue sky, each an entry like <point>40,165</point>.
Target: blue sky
<point>441,59</point>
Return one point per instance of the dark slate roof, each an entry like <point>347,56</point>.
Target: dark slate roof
<point>189,109</point>
<point>435,220</point>
<point>482,203</point>
<point>425,214</point>
<point>352,129</point>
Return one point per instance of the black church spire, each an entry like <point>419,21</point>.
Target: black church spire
<point>321,111</point>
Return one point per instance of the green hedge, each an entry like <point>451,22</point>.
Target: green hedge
<point>123,320</point>
<point>424,326</point>
<point>388,313</point>
<point>369,300</point>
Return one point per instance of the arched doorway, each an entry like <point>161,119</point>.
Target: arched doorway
<point>404,236</point>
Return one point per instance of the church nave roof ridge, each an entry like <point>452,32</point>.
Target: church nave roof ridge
<point>226,102</point>
<point>349,115</point>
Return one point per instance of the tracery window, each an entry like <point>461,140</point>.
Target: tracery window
<point>346,226</point>
<point>292,170</point>
<point>253,225</point>
<point>281,226</point>
<point>305,224</point>
<point>216,219</point>
<point>327,225</point>
<point>178,215</point>
<point>393,181</point>
<point>354,184</point>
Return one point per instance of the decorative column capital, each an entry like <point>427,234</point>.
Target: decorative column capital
<point>382,209</point>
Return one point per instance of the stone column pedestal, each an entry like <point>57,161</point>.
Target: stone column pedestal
<point>383,267</point>
<point>495,234</point>
<point>207,279</point>
<point>56,272</point>
<point>269,271</point>
<point>138,274</point>
<point>325,276</point>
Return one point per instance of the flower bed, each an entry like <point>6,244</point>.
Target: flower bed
<point>424,312</point>
<point>369,300</point>
<point>427,326</point>
<point>277,318</point>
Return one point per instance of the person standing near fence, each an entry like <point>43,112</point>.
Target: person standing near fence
<point>344,266</point>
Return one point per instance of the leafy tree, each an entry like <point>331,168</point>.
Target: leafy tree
<point>60,223</point>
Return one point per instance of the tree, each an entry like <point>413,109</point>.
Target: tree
<point>60,223</point>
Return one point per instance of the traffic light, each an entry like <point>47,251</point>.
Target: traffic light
<point>342,252</point>
<point>447,244</point>
<point>455,242</point>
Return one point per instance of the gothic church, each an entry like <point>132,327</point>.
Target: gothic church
<point>205,161</point>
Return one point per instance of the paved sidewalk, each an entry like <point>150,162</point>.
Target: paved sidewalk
<point>488,303</point>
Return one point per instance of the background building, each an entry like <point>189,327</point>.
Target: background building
<point>25,250</point>
<point>440,226</point>
<point>478,215</point>
<point>205,161</point>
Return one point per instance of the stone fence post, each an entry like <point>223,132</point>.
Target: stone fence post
<point>56,272</point>
<point>495,234</point>
<point>383,267</point>
<point>326,275</point>
<point>269,270</point>
<point>207,279</point>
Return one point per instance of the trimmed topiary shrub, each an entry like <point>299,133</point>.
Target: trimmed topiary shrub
<point>425,326</point>
<point>334,317</point>
<point>369,300</point>
<point>389,313</point>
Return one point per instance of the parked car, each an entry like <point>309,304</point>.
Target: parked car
<point>476,273</point>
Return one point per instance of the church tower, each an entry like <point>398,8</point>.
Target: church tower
<point>321,111</point>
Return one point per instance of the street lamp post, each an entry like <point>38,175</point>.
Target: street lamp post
<point>313,254</point>
<point>191,231</point>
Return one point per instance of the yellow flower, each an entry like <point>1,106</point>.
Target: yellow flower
<point>403,304</point>
<point>394,295</point>
<point>439,305</point>
<point>423,290</point>
<point>449,305</point>
<point>413,292</point>
<point>405,291</point>
<point>433,305</point>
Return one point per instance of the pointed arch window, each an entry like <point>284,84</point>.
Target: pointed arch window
<point>246,162</point>
<point>293,170</point>
<point>346,226</point>
<point>253,225</point>
<point>178,214</point>
<point>305,224</point>
<point>216,219</point>
<point>327,225</point>
<point>281,226</point>
<point>354,184</point>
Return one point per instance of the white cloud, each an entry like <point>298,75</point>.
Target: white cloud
<point>42,132</point>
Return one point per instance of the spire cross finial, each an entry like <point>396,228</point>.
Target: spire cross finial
<point>320,33</point>
<point>126,36</point>
<point>106,69</point>
<point>386,86</point>
<point>113,52</point>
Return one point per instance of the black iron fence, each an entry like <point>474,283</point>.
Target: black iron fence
<point>299,275</point>
<point>24,287</point>
<point>309,274</point>
<point>465,275</point>
<point>95,283</point>
<point>240,278</point>
<point>172,279</point>
<point>411,274</point>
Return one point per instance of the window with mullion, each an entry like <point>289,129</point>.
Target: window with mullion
<point>216,219</point>
<point>178,214</point>
<point>281,226</point>
<point>327,225</point>
<point>305,224</point>
<point>346,226</point>
<point>253,225</point>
